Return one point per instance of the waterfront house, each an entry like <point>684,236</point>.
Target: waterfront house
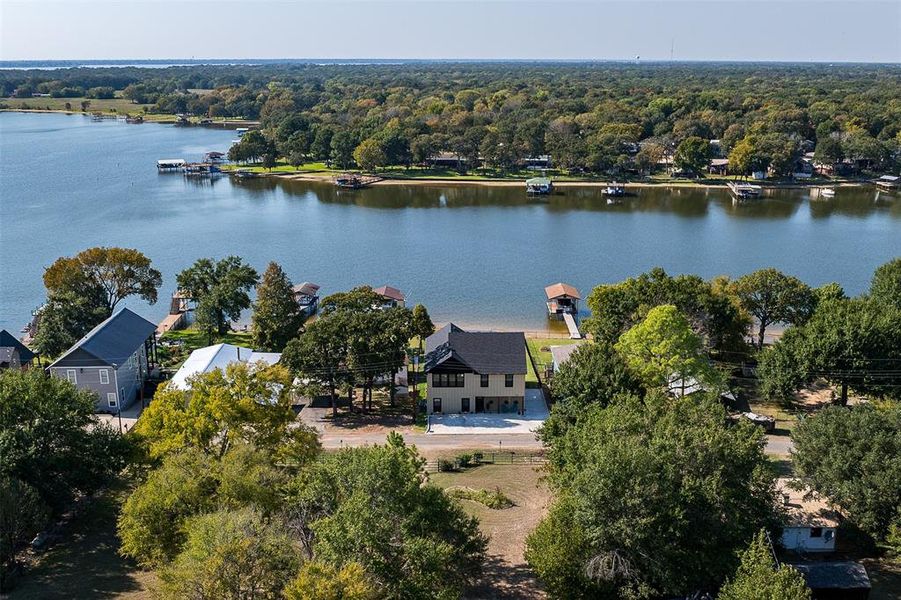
<point>306,295</point>
<point>718,166</point>
<point>836,580</point>
<point>392,297</point>
<point>13,353</point>
<point>811,523</point>
<point>112,360</point>
<point>562,298</point>
<point>475,372</point>
<point>219,356</point>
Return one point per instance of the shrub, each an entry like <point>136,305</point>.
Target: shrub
<point>494,499</point>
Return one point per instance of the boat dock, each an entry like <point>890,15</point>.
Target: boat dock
<point>744,191</point>
<point>573,327</point>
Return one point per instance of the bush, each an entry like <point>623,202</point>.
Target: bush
<point>464,460</point>
<point>495,499</point>
<point>446,465</point>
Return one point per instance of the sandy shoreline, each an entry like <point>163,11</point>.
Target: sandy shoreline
<point>444,181</point>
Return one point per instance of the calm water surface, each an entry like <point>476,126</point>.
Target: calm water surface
<point>475,255</point>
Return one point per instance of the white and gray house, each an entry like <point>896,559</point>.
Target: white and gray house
<point>112,360</point>
<point>475,371</point>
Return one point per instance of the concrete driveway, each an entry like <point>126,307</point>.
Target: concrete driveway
<point>492,424</point>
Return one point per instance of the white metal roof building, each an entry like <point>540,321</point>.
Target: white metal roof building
<point>205,360</point>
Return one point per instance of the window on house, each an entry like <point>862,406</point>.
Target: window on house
<point>447,379</point>
<point>816,532</point>
<point>104,376</point>
<point>436,405</point>
<point>483,380</point>
<point>112,400</point>
<point>71,376</point>
<point>508,380</point>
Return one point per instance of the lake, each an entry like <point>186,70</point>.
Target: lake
<point>477,255</point>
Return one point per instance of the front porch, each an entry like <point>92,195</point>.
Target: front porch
<point>535,414</point>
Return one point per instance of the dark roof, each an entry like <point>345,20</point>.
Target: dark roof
<point>390,293</point>
<point>8,340</point>
<point>112,342</point>
<point>481,351</point>
<point>839,575</point>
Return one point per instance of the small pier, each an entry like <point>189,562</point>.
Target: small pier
<point>539,186</point>
<point>355,182</point>
<point>744,191</point>
<point>573,327</point>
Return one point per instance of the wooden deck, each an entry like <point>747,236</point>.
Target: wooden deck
<point>573,327</point>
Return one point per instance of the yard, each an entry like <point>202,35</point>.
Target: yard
<point>188,340</point>
<point>85,563</point>
<point>540,349</point>
<point>506,573</point>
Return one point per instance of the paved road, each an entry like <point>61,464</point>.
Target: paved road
<point>779,445</point>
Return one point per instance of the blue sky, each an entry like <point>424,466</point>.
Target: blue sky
<point>784,30</point>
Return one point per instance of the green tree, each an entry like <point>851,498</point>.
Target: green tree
<point>422,326</point>
<point>713,314</point>
<point>656,496</point>
<point>22,515</point>
<point>760,578</point>
<point>85,289</point>
<point>320,354</point>
<point>188,483</point>
<point>853,457</point>
<point>594,374</point>
<point>321,581</point>
<point>773,297</point>
<point>244,404</point>
<point>853,343</point>
<point>369,155</point>
<point>277,318</point>
<point>748,157</point>
<point>692,155</point>
<point>220,289</point>
<point>51,440</point>
<point>663,349</point>
<point>342,149</point>
<point>373,509</point>
<point>886,284</point>
<point>231,554</point>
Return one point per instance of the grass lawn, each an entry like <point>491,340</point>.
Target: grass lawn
<point>85,563</point>
<point>506,573</point>
<point>121,106</point>
<point>192,339</point>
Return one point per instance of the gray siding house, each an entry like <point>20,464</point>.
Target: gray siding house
<point>111,360</point>
<point>475,372</point>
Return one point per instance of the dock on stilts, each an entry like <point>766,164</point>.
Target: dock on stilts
<point>573,327</point>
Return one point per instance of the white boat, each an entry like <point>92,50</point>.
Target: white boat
<point>827,192</point>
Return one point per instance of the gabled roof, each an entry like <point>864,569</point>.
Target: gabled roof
<point>219,356</point>
<point>306,288</point>
<point>386,291</point>
<point>559,290</point>
<point>481,351</point>
<point>8,340</point>
<point>837,575</point>
<point>111,342</point>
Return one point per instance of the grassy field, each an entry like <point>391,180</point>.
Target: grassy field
<point>85,563</point>
<point>120,106</point>
<point>506,573</point>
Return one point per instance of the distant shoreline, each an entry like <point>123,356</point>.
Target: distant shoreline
<point>391,180</point>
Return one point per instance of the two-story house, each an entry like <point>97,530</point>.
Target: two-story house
<point>475,372</point>
<point>111,360</point>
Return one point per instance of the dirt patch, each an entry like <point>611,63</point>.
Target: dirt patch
<point>506,574</point>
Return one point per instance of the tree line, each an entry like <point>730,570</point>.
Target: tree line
<point>598,118</point>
